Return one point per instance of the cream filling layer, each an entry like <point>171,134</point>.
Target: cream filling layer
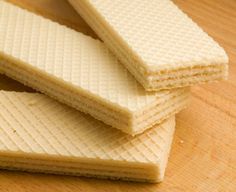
<point>127,171</point>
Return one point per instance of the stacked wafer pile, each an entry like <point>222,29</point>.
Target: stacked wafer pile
<point>112,106</point>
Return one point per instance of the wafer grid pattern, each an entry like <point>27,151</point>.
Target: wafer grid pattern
<point>36,126</point>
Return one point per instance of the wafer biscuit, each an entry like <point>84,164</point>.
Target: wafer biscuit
<point>39,134</point>
<point>79,71</point>
<point>159,44</point>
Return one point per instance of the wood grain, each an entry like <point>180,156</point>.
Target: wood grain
<point>203,157</point>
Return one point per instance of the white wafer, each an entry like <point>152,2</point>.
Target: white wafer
<point>41,135</point>
<point>79,71</point>
<point>156,41</point>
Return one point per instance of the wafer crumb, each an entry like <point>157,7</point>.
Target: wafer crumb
<point>32,102</point>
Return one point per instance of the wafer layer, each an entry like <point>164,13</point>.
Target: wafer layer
<point>39,134</point>
<point>79,71</point>
<point>156,41</point>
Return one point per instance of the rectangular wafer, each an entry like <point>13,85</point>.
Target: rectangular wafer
<point>39,134</point>
<point>159,44</point>
<point>79,71</point>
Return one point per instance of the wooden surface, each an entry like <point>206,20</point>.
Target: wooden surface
<point>203,157</point>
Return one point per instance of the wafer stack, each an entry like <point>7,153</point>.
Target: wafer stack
<point>159,44</point>
<point>40,134</point>
<point>111,106</point>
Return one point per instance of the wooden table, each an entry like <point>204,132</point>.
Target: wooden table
<point>203,157</point>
